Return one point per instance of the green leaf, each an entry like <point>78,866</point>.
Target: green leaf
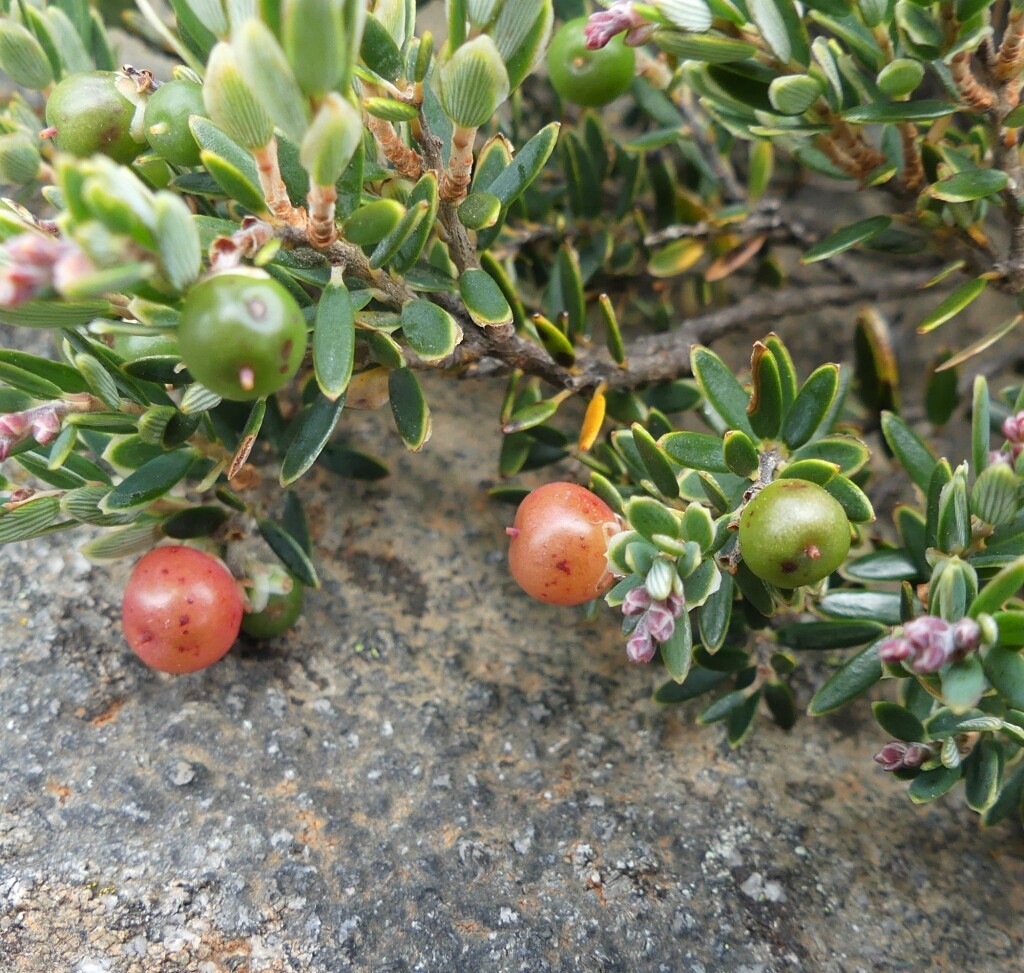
<point>963,684</point>
<point>741,719</point>
<point>971,184</point>
<point>811,405</point>
<point>983,774</point>
<point>721,389</point>
<point>430,330</point>
<point>260,58</point>
<point>178,240</point>
<point>478,211</point>
<point>409,408</point>
<point>828,636</point>
<point>483,299</point>
<point>1004,667</point>
<point>126,542</point>
<point>63,377</point>
<point>525,167</point>
<point>697,683</point>
<point>900,78</point>
<point>994,495</point>
<point>372,222</point>
<point>313,427</point>
<point>150,481</point>
<point>648,516</point>
<point>194,522</point>
<point>655,462</point>
<point>715,614</point>
<point>964,295</point>
<point>766,400</point>
<point>932,784</point>
<point>334,339</point>
<point>709,48</point>
<point>879,606</point>
<point>29,382</point>
<point>695,451</point>
<point>347,462</point>
<point>882,112</point>
<point>909,449</point>
<point>1009,800</point>
<point>852,499</point>
<point>40,313</point>
<point>396,239</point>
<point>782,28</point>
<point>723,706</point>
<point>289,551</point>
<point>793,94</point>
<point>898,721</point>
<point>740,453</point>
<point>234,182</point>
<point>425,190</point>
<point>29,519</point>
<point>473,82</point>
<point>894,565</point>
<point>781,703</point>
<point>998,590</point>
<point>856,676</point>
<point>813,470</point>
<point>677,652</point>
<point>846,238</point>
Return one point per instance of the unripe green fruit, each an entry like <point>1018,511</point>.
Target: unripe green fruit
<point>241,335</point>
<point>167,114</point>
<point>281,613</point>
<point>793,533</point>
<point>585,77</point>
<point>91,115</point>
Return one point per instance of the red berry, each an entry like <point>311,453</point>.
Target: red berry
<point>559,540</point>
<point>181,610</point>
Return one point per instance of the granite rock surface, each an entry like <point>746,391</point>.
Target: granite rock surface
<point>432,773</point>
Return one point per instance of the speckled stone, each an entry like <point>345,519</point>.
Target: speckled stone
<point>433,773</point>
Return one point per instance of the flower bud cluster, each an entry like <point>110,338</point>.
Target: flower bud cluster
<point>1013,430</point>
<point>31,264</point>
<point>929,642</point>
<point>896,755</point>
<point>41,423</point>
<point>621,16</point>
<point>656,621</point>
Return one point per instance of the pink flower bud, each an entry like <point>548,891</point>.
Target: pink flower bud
<point>931,639</point>
<point>895,650</point>
<point>71,268</point>
<point>1012,427</point>
<point>661,623</point>
<point>677,604</point>
<point>640,647</point>
<point>45,426</point>
<point>636,602</point>
<point>966,636</point>
<point>14,424</point>
<point>902,756</point>
<point>605,24</point>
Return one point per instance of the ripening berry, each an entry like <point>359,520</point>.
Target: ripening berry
<point>559,540</point>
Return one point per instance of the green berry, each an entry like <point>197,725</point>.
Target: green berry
<point>793,533</point>
<point>241,335</point>
<point>280,614</point>
<point>167,114</point>
<point>91,115</point>
<point>585,77</point>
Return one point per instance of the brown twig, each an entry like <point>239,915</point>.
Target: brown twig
<point>455,179</point>
<point>404,158</point>
<point>660,357</point>
<point>1010,59</point>
<point>273,187</point>
<point>323,230</point>
<point>976,95</point>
